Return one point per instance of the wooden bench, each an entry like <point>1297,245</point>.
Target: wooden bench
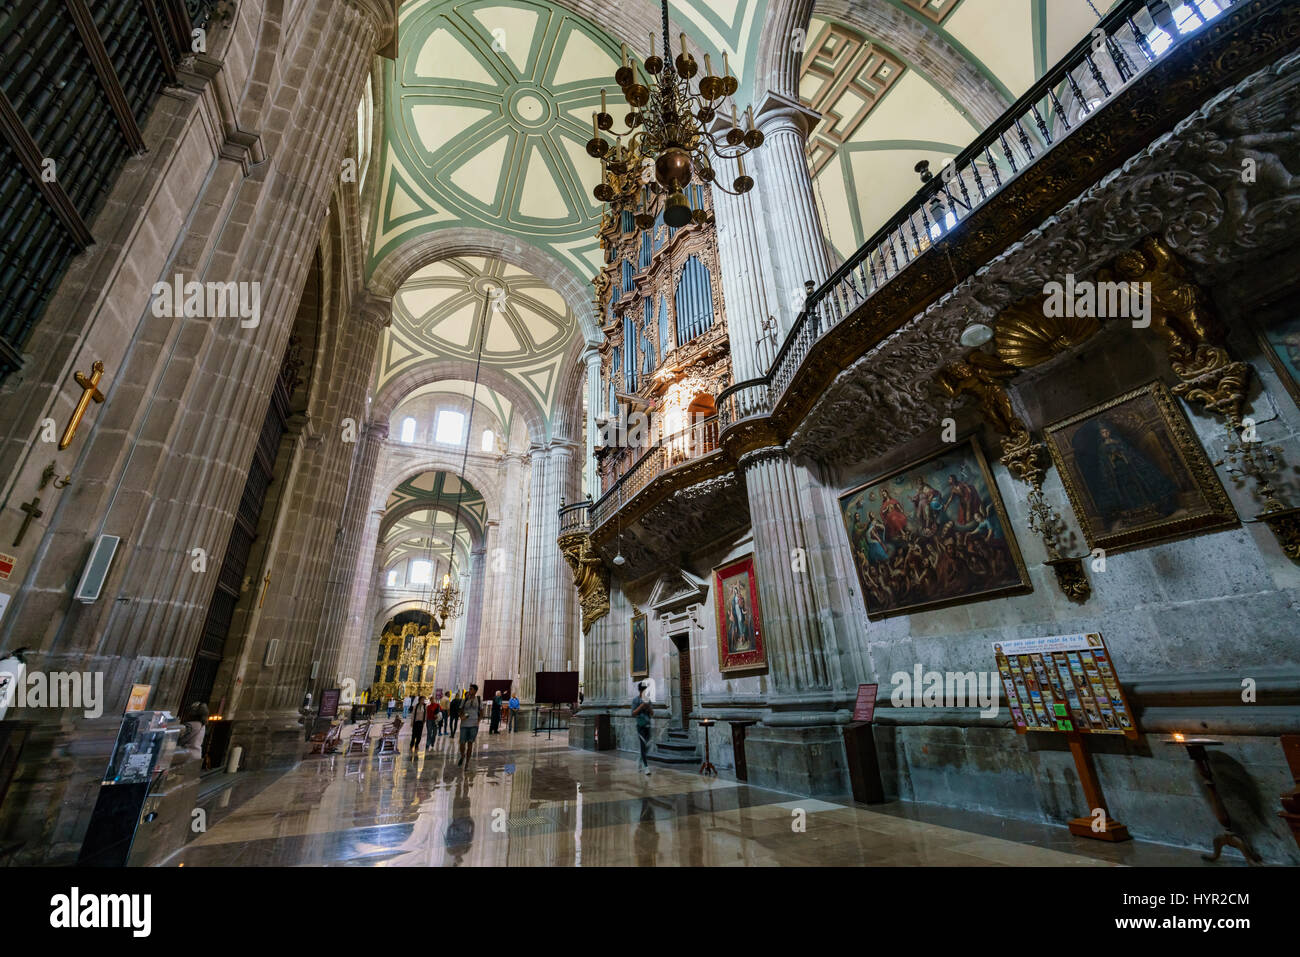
<point>388,737</point>
<point>327,742</point>
<point>359,740</point>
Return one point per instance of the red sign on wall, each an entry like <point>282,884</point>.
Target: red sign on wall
<point>864,709</point>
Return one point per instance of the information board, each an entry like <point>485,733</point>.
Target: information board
<point>1063,683</point>
<point>864,709</point>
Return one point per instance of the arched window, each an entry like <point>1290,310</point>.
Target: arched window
<point>408,430</point>
<point>694,301</point>
<point>451,427</point>
<point>421,572</point>
<point>392,577</point>
<point>489,441</point>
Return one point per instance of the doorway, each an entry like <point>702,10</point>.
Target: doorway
<point>679,678</point>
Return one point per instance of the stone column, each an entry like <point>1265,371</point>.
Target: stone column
<point>347,567</point>
<point>469,661</point>
<point>799,248</point>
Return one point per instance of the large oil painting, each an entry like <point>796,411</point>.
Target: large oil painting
<point>740,623</point>
<point>932,534</point>
<point>1136,474</point>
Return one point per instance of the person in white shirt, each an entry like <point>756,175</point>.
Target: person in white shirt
<point>470,712</point>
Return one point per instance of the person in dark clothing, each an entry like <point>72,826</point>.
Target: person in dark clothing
<point>455,713</point>
<point>496,714</point>
<point>418,713</point>
<point>642,709</point>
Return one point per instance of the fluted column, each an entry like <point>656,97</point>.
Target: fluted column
<point>798,247</point>
<point>469,664</point>
<point>506,561</point>
<point>747,275</point>
<point>796,642</point>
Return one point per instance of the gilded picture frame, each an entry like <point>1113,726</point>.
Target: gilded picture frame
<point>639,646</point>
<point>1136,474</point>
<point>946,549</point>
<point>742,649</point>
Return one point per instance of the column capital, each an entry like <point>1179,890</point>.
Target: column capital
<point>591,356</point>
<point>373,309</point>
<point>379,430</point>
<point>776,112</point>
<point>382,15</point>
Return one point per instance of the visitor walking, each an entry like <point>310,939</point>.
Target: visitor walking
<point>444,715</point>
<point>470,714</point>
<point>641,709</point>
<point>418,714</point>
<point>454,714</point>
<point>514,709</point>
<point>391,705</point>
<point>495,724</point>
<point>432,716</point>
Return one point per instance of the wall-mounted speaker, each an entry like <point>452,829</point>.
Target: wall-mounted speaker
<point>96,571</point>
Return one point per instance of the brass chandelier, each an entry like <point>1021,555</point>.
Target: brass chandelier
<point>670,142</point>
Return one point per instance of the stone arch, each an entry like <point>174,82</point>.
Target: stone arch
<point>467,519</point>
<point>436,370</point>
<point>419,251</point>
<point>407,469</point>
<point>777,63</point>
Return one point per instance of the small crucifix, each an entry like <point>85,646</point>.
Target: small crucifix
<point>89,391</point>
<point>33,511</point>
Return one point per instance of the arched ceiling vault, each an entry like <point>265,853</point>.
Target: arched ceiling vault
<point>899,81</point>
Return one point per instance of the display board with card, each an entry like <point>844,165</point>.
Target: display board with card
<point>1063,683</point>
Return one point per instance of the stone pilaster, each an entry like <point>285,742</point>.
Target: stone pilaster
<point>469,660</point>
<point>595,407</point>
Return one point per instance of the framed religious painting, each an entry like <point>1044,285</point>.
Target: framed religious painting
<point>740,622</point>
<point>931,534</point>
<point>640,652</point>
<point>1279,337</point>
<point>1136,474</point>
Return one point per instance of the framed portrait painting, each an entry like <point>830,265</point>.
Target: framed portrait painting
<point>931,534</point>
<point>740,622</point>
<point>1136,474</point>
<point>640,653</point>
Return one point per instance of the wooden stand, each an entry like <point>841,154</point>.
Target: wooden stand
<point>707,767</point>
<point>1196,751</point>
<point>1104,829</point>
<point>863,763</point>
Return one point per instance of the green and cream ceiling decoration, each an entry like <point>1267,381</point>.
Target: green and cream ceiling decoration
<point>488,109</point>
<point>882,113</point>
<point>443,309</point>
<point>440,493</point>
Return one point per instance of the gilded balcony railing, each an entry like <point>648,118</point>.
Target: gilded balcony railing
<point>575,518</point>
<point>1123,46</point>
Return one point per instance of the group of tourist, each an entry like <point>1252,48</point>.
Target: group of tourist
<point>462,711</point>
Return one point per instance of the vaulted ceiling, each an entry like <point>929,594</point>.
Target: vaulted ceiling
<point>899,81</point>
<point>443,309</point>
<point>425,531</point>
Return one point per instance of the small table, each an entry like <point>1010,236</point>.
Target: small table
<point>1196,751</point>
<point>707,767</point>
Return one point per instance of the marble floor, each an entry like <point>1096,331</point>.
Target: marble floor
<point>526,801</point>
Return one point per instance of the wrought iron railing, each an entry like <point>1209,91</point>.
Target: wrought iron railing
<point>1123,46</point>
<point>575,518</point>
<point>744,400</point>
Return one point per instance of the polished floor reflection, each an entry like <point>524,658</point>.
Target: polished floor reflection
<point>526,801</point>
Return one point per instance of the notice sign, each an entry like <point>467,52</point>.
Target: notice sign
<point>329,702</point>
<point>7,563</point>
<point>864,709</point>
<point>1063,683</point>
<point>139,698</point>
